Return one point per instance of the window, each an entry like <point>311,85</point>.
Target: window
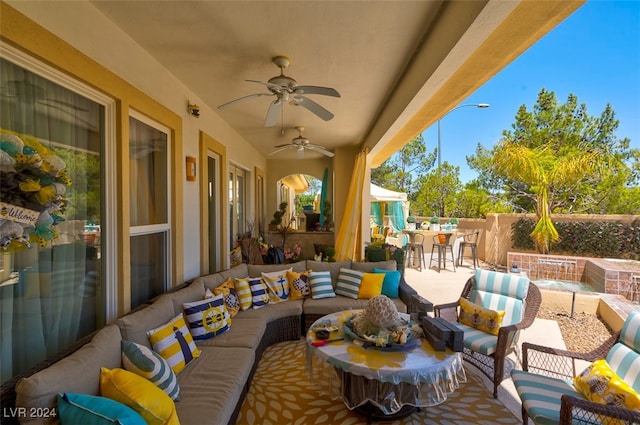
<point>237,203</point>
<point>53,132</point>
<point>149,209</point>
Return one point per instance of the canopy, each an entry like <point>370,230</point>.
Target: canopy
<point>380,194</point>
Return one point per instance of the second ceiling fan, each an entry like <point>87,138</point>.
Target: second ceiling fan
<point>300,144</point>
<point>286,89</point>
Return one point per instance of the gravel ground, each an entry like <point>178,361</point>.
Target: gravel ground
<point>583,332</point>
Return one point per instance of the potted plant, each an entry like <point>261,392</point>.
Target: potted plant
<point>276,222</point>
<point>434,223</point>
<point>454,223</point>
<point>412,222</point>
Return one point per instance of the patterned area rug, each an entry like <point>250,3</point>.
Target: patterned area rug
<point>281,394</point>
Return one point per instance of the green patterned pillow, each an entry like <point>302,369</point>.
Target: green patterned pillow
<point>139,359</point>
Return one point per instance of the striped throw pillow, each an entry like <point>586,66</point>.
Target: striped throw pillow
<point>244,293</point>
<point>349,283</point>
<point>259,294</point>
<point>207,318</point>
<point>174,343</point>
<point>142,361</point>
<point>320,283</point>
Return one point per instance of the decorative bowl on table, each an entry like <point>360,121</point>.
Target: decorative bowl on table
<point>398,337</point>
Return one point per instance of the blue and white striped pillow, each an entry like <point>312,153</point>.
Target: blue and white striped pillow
<point>207,318</point>
<point>259,294</point>
<point>349,283</point>
<point>142,361</point>
<point>320,283</point>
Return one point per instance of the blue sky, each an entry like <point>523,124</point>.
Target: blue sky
<point>594,54</point>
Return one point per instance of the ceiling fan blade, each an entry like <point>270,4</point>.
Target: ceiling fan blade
<point>282,146</point>
<point>243,98</point>
<point>282,149</point>
<point>320,149</point>
<point>272,113</point>
<point>313,107</point>
<point>326,91</point>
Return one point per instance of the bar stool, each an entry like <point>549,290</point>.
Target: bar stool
<point>442,251</point>
<point>415,247</point>
<point>470,240</point>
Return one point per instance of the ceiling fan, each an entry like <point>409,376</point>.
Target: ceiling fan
<point>286,89</point>
<point>300,144</point>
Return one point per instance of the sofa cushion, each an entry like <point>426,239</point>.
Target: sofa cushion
<point>213,384</point>
<point>273,311</point>
<point>332,268</point>
<point>483,319</point>
<point>244,332</point>
<point>214,280</point>
<point>173,341</point>
<point>83,366</point>
<point>340,303</point>
<point>193,292</point>
<point>95,410</point>
<point>139,394</point>
<point>147,363</point>
<point>368,266</point>
<point>207,318</point>
<point>134,326</point>
<point>256,270</point>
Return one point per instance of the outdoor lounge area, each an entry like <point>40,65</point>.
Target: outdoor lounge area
<point>155,267</point>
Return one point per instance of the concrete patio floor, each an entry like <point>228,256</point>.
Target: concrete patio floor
<point>446,286</point>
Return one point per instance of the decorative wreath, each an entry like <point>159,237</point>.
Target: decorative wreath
<point>32,192</point>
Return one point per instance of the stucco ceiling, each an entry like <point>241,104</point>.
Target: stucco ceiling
<point>389,60</point>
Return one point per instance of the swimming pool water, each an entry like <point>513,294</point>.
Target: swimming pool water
<point>560,285</point>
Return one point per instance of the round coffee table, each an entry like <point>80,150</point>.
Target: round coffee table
<point>383,385</point>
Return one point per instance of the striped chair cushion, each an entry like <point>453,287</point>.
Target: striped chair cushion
<point>540,395</point>
<point>501,291</point>
<point>625,362</point>
<point>630,333</point>
<point>478,341</point>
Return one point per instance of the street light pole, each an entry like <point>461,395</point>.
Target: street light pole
<point>477,105</point>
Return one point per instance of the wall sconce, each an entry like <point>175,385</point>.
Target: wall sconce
<point>193,109</point>
<point>191,169</point>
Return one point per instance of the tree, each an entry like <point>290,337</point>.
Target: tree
<point>399,172</point>
<point>437,191</point>
<point>557,158</point>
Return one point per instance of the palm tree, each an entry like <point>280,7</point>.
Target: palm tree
<point>542,169</point>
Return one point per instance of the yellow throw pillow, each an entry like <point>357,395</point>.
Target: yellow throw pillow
<point>481,318</point>
<point>298,285</point>
<point>230,296</point>
<point>600,384</point>
<point>174,343</point>
<point>140,394</point>
<point>244,293</point>
<point>370,285</point>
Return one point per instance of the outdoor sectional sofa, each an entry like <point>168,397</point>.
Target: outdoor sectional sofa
<point>213,385</point>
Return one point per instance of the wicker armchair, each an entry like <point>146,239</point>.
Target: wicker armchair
<point>520,299</point>
<point>545,384</point>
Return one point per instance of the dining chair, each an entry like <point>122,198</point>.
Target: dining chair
<point>415,249</point>
<point>442,245</point>
<point>469,240</point>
